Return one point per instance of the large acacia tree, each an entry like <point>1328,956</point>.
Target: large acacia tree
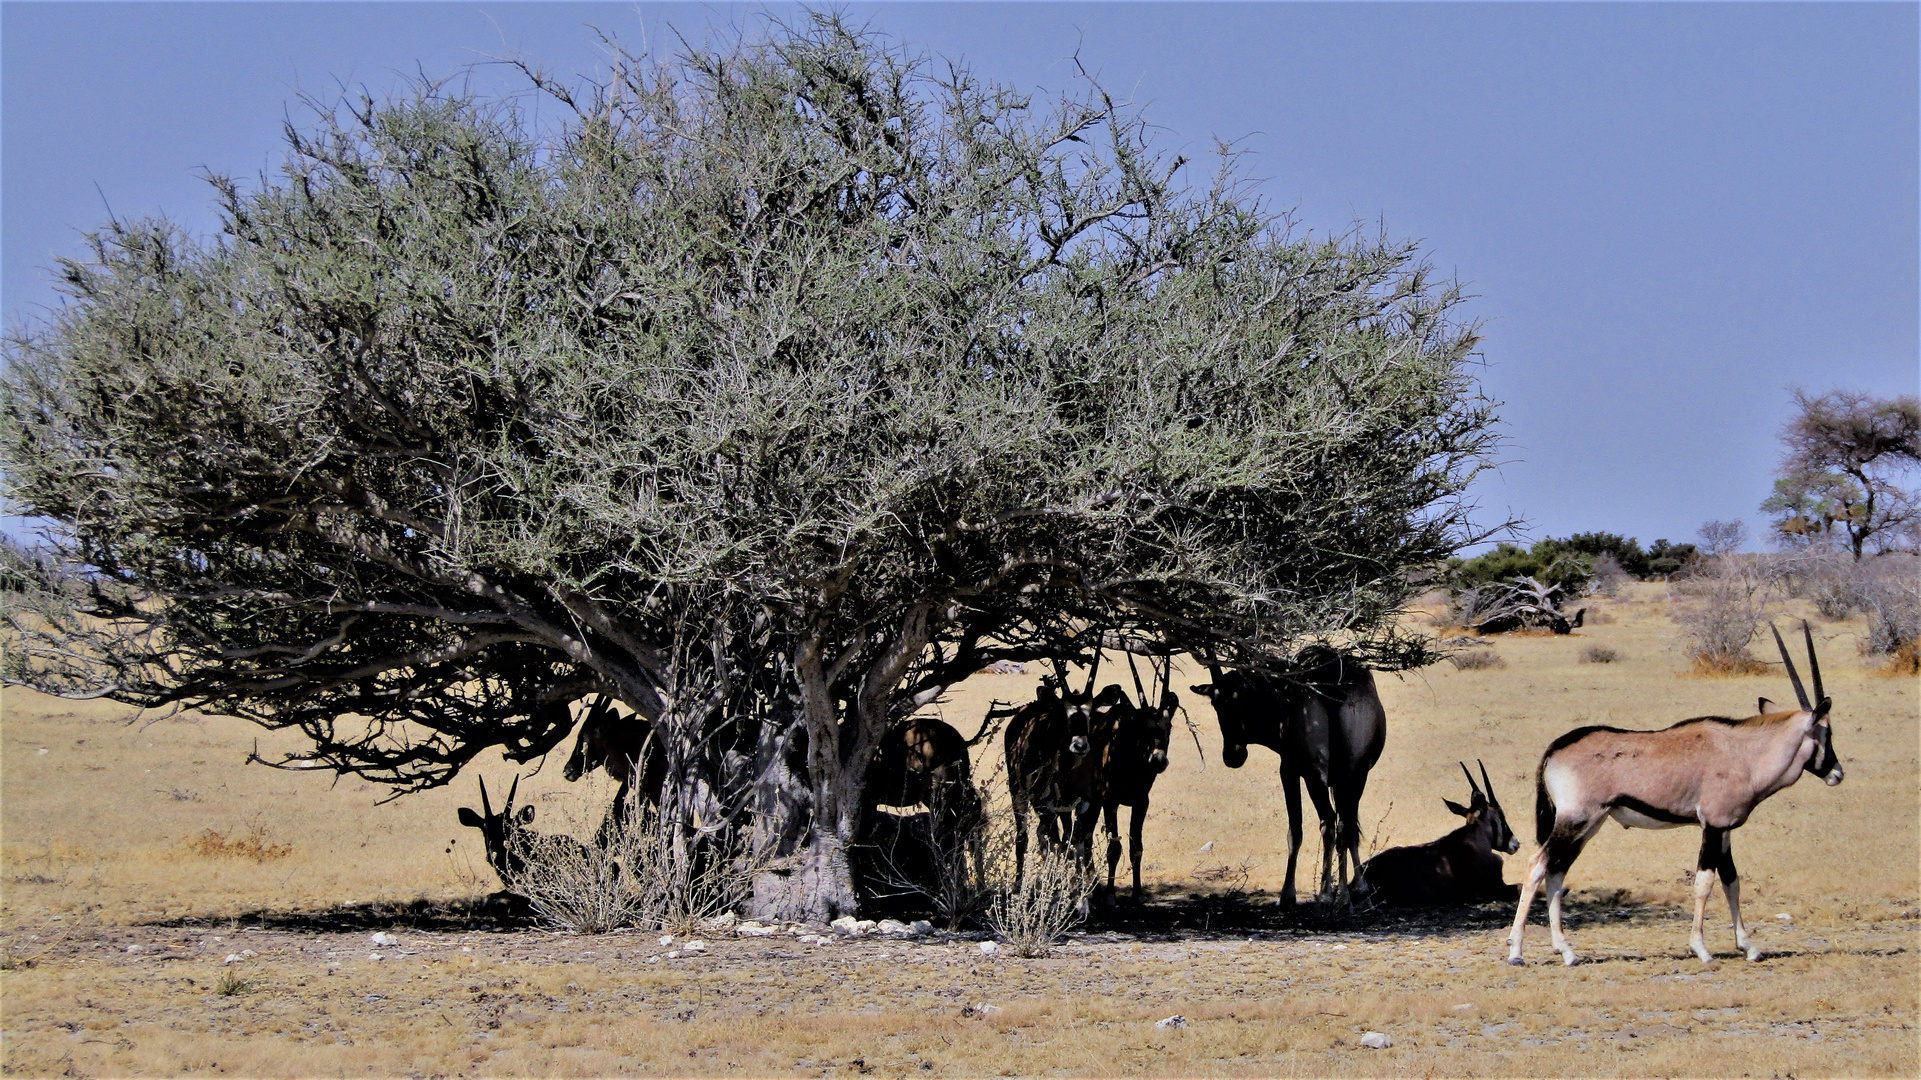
<point>779,387</point>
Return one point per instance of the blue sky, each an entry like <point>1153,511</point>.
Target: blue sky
<point>1668,213</point>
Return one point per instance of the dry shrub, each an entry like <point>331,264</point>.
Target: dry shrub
<point>1893,605</point>
<point>1049,900</point>
<point>1609,577</point>
<point>639,873</point>
<point>1720,607</point>
<point>1477,659</point>
<point>1599,654</point>
<point>255,846</point>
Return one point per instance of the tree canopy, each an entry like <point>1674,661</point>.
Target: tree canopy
<point>1846,452</point>
<point>787,380</point>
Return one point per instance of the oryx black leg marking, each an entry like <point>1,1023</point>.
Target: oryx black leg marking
<point>1715,856</point>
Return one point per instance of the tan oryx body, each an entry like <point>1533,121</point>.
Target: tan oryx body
<point>1710,771</point>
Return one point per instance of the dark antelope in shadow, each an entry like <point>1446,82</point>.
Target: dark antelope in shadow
<point>1044,739</point>
<point>923,761</point>
<point>1463,867</point>
<point>1710,771</point>
<point>508,839</point>
<point>1325,720</point>
<point>1127,753</point>
<point>626,747</point>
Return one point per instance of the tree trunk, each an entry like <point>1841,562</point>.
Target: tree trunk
<point>817,888</point>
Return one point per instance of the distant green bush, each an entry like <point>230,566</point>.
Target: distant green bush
<point>1567,563</point>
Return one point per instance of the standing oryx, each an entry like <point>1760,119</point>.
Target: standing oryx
<point>1325,720</point>
<point>1710,771</point>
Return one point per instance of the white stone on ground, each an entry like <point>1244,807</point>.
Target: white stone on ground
<point>1175,1021</point>
<point>233,958</point>
<point>385,939</point>
<point>1375,1040</point>
<point>989,948</point>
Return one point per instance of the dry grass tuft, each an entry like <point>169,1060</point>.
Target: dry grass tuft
<point>1599,654</point>
<point>1476,660</point>
<point>255,847</point>
<point>232,984</point>
<point>1739,666</point>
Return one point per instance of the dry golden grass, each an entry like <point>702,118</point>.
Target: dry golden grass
<point>158,836</point>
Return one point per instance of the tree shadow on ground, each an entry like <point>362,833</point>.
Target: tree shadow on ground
<point>1187,915</point>
<point>500,912</point>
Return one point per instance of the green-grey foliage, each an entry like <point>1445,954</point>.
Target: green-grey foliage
<point>783,380</point>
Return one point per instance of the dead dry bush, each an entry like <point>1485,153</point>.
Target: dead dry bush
<point>945,859</point>
<point>1892,600</point>
<point>1719,608</point>
<point>640,873</point>
<point>1048,900</point>
<point>1599,654</point>
<point>255,846</point>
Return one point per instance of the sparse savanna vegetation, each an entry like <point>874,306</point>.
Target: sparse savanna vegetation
<point>98,858</point>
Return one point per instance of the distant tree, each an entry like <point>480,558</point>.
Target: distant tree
<point>1547,562</point>
<point>770,392</point>
<point>1845,452</point>
<point>1665,559</point>
<point>1721,537</point>
<point>1626,550</point>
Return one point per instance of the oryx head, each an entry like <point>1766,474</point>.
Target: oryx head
<point>1483,806</point>
<point>1233,695</point>
<point>498,831</point>
<point>1821,761</point>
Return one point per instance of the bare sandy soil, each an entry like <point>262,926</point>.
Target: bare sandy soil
<point>114,836</point>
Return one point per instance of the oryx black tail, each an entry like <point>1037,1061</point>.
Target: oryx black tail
<point>1543,805</point>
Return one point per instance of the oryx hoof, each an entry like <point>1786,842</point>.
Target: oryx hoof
<point>1701,952</point>
<point>1516,961</point>
<point>1754,954</point>
<point>1570,958</point>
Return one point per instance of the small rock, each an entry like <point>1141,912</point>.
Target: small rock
<point>1175,1021</point>
<point>750,928</point>
<point>133,948</point>
<point>1375,1040</point>
<point>724,921</point>
<point>385,939</point>
<point>1464,1006</point>
<point>1209,846</point>
<point>894,928</point>
<point>43,750</point>
<point>675,955</point>
<point>853,927</point>
<point>920,928</point>
<point>1340,946</point>
<point>1786,919</point>
<point>466,948</point>
<point>233,958</point>
<point>694,946</point>
<point>983,1010</point>
<point>989,948</point>
<point>375,956</point>
<point>248,953</point>
<point>653,959</point>
<point>666,939</point>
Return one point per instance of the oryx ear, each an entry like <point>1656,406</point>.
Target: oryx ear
<point>1763,706</point>
<point>1206,690</point>
<point>526,815</point>
<point>471,819</point>
<point>1457,807</point>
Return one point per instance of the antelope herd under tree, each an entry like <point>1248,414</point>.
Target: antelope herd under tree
<point>1074,757</point>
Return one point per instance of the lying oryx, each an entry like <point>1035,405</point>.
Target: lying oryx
<point>1710,771</point>
<point>1463,867</point>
